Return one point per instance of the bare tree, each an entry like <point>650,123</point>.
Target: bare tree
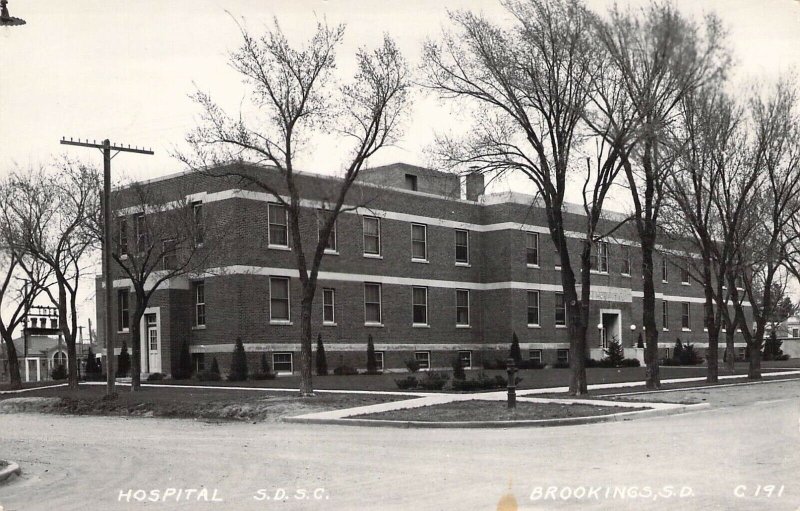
<point>21,281</point>
<point>157,238</point>
<point>53,213</point>
<point>661,57</point>
<point>538,89</point>
<point>294,90</point>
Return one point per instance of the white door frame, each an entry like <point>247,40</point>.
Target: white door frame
<point>144,342</point>
<point>618,312</point>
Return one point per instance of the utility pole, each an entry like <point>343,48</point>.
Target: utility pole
<point>106,147</point>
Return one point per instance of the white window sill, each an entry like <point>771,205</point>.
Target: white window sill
<point>686,284</point>
<point>284,322</point>
<point>534,326</point>
<point>420,325</point>
<point>423,261</point>
<point>463,326</point>
<point>278,247</point>
<point>598,272</point>
<point>628,275</point>
<point>124,257</point>
<point>124,331</point>
<point>376,325</point>
<point>686,329</point>
<point>664,281</point>
<point>561,326</point>
<point>463,264</point>
<point>328,251</point>
<point>199,245</point>
<point>557,268</point>
<point>329,323</point>
<point>665,329</point>
<point>373,256</point>
<point>535,266</point>
<point>198,327</point>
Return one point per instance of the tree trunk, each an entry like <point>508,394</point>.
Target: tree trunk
<point>712,353</point>
<point>136,351</point>
<point>653,379</point>
<point>754,369</point>
<point>306,387</point>
<point>13,363</point>
<point>72,357</point>
<point>730,349</point>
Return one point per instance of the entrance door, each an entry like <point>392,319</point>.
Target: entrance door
<point>153,343</point>
<point>611,330</point>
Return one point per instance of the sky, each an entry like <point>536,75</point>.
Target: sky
<point>124,70</point>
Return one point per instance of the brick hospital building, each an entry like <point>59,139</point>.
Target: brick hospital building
<point>429,266</point>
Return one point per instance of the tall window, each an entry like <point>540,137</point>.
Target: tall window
<point>685,315</point>
<point>142,239</point>
<point>328,306</point>
<point>599,260</point>
<point>462,307</point>
<point>123,319</point>
<point>664,271</point>
<point>533,307</point>
<point>199,225</point>
<point>372,303</point>
<point>170,254</point>
<point>279,299</point>
<point>532,248</point>
<point>462,246</point>
<point>626,260</point>
<point>419,297</point>
<point>331,244</point>
<point>419,242</point>
<point>685,273</point>
<point>372,235</point>
<point>278,225</point>
<point>411,182</point>
<point>122,230</point>
<point>199,303</point>
<point>561,310</point>
<point>664,315</point>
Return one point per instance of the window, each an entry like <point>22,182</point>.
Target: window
<point>199,303</point>
<point>419,297</point>
<point>599,260</point>
<point>462,307</point>
<point>466,359</point>
<point>533,308</point>
<point>535,356</point>
<point>279,299</point>
<point>372,236</point>
<point>561,310</point>
<point>328,306</point>
<point>199,225</point>
<point>198,362</point>
<point>532,248</point>
<point>562,356</point>
<point>419,242</point>
<point>54,323</point>
<point>331,245</point>
<point>142,239</point>
<point>685,316</point>
<point>278,225</point>
<point>122,230</point>
<point>741,353</point>
<point>795,332</point>
<point>59,358</point>
<point>169,254</point>
<point>379,360</point>
<point>462,246</point>
<point>626,260</point>
<point>664,315</point>
<point>424,359</point>
<point>685,273</point>
<point>282,362</point>
<point>411,182</point>
<point>664,271</point>
<point>123,320</point>
<point>372,303</point>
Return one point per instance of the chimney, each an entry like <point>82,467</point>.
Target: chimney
<point>474,185</point>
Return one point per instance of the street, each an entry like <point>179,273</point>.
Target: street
<point>741,454</point>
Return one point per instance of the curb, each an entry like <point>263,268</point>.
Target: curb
<point>567,421</point>
<point>10,469</point>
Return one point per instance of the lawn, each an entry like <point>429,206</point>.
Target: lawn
<point>460,411</point>
<point>225,404</point>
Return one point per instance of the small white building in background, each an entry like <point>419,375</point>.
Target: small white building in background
<point>789,333</point>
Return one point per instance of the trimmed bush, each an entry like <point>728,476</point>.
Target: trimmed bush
<point>214,366</point>
<point>345,371</point>
<point>264,376</point>
<point>372,364</point>
<point>458,369</point>
<point>123,361</point>
<point>322,361</point>
<point>92,368</point>
<point>640,341</point>
<point>156,376</point>
<point>677,352</point>
<point>561,365</point>
<point>495,364</point>
<point>209,376</point>
<point>772,348</point>
<point>630,362</point>
<point>59,372</point>
<point>614,354</point>
<point>514,353</point>
<point>482,382</point>
<point>433,381</point>
<point>409,382</point>
<point>412,364</point>
<point>238,362</point>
